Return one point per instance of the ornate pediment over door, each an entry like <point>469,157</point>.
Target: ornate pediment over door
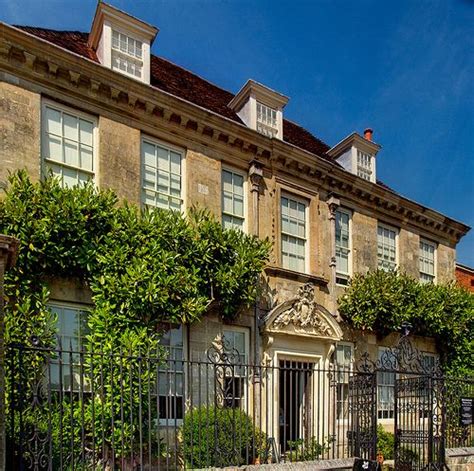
<point>303,316</point>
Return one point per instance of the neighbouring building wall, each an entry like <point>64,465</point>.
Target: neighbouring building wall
<point>465,277</point>
<point>20,112</point>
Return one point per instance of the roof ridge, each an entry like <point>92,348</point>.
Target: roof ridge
<point>50,30</point>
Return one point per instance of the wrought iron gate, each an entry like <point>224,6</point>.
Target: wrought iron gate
<point>419,405</point>
<point>363,415</point>
<point>419,423</point>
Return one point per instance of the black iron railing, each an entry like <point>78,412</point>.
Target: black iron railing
<point>90,410</point>
<point>83,410</point>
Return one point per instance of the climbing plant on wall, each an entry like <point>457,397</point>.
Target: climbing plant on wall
<point>144,267</point>
<point>381,301</point>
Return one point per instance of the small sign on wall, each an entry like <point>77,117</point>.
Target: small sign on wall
<point>467,410</point>
<point>203,189</point>
<point>365,465</point>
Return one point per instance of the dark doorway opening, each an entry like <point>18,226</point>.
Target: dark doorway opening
<point>295,408</point>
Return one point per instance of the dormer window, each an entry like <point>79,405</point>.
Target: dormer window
<point>356,154</point>
<point>260,108</point>
<point>266,120</point>
<point>122,42</point>
<point>364,165</point>
<point>127,54</point>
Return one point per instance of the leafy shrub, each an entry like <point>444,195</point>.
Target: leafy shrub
<point>382,301</point>
<point>220,437</point>
<point>385,443</point>
<point>144,267</point>
<point>307,450</point>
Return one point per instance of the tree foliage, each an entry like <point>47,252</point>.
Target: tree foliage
<point>144,267</point>
<point>381,301</point>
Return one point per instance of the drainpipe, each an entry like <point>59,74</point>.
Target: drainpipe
<point>256,177</point>
<point>8,250</point>
<point>333,204</point>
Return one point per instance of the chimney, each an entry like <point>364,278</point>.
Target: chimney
<point>368,134</point>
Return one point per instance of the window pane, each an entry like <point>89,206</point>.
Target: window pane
<point>427,261</point>
<point>85,132</point>
<point>69,176</point>
<point>53,148</point>
<point>62,134</point>
<point>53,122</point>
<point>293,224</point>
<point>162,174</point>
<point>86,158</point>
<point>70,124</point>
<point>71,326</point>
<point>71,153</point>
<point>386,248</point>
<point>232,200</point>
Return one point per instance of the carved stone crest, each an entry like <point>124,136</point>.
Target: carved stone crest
<point>304,313</point>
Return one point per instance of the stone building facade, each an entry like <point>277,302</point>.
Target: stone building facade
<point>98,105</point>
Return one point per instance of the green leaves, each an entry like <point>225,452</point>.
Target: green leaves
<point>143,267</point>
<point>381,301</point>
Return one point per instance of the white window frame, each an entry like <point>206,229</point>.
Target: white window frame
<point>346,379</point>
<point>171,422</point>
<point>434,245</point>
<point>363,171</point>
<point>65,349</point>
<point>125,55</point>
<point>347,275</point>
<point>380,417</point>
<point>397,233</point>
<point>298,199</point>
<point>244,400</point>
<point>264,127</point>
<point>245,199</point>
<point>157,142</point>
<point>46,103</point>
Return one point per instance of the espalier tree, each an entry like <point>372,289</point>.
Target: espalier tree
<point>382,301</point>
<point>143,267</point>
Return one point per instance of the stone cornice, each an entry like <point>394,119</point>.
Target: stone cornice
<point>295,275</point>
<point>55,68</point>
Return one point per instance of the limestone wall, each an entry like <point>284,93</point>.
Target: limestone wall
<point>20,111</point>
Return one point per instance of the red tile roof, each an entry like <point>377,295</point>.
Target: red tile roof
<point>74,41</point>
<point>184,84</point>
<point>180,82</point>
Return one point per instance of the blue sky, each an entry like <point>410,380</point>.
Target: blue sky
<point>404,68</point>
